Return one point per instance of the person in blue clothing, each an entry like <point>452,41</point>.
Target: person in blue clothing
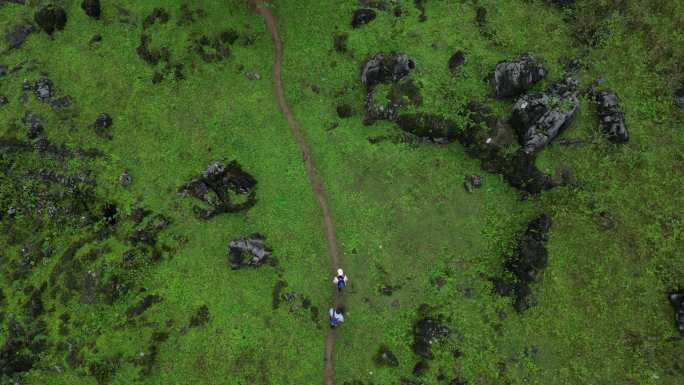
<point>336,317</point>
<point>340,280</point>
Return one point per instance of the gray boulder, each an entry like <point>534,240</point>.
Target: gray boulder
<point>513,77</point>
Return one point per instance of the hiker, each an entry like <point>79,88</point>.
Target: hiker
<point>336,317</point>
<point>340,280</point>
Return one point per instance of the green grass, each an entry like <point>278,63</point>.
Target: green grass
<point>401,213</point>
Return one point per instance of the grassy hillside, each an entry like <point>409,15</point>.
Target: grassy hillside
<point>410,233</point>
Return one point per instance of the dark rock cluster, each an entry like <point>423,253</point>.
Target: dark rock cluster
<point>525,265</point>
<point>430,126</point>
<point>51,18</point>
<point>677,302</point>
<point>611,118</point>
<point>427,331</point>
<point>102,124</point>
<point>539,117</point>
<point>362,16</point>
<point>248,251</point>
<point>219,186</point>
<point>92,8</point>
<point>34,124</point>
<point>513,77</point>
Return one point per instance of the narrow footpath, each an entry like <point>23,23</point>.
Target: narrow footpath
<point>319,192</point>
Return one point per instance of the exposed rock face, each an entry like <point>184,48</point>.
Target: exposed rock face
<point>540,117</point>
<point>426,331</point>
<point>51,18</point>
<point>18,34</point>
<point>677,301</point>
<point>612,119</point>
<point>513,77</point>
<point>362,17</point>
<point>43,89</point>
<point>385,357</point>
<point>215,186</point>
<point>92,8</point>
<point>527,263</point>
<point>383,68</point>
<point>455,61</point>
<point>487,139</point>
<point>248,251</point>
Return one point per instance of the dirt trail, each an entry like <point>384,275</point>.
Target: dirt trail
<point>328,226</point>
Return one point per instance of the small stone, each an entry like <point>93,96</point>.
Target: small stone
<point>102,125</point>
<point>11,212</point>
<point>455,61</point>
<point>92,8</point>
<point>125,179</point>
<point>385,357</point>
<point>3,101</point>
<point>344,111</point>
<point>42,88</point>
<point>251,75</point>
<point>471,182</point>
<point>26,85</point>
<point>420,368</point>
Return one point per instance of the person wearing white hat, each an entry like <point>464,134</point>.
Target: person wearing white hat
<point>340,280</point>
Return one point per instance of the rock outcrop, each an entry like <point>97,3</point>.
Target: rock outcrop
<point>539,117</point>
<point>248,251</point>
<point>218,186</point>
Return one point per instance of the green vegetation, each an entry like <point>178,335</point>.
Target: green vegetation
<point>409,232</point>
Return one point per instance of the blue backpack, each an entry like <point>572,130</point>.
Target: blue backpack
<point>340,282</point>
